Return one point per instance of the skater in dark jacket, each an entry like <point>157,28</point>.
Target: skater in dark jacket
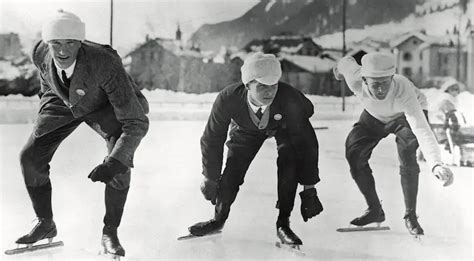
<point>391,105</point>
<point>259,108</point>
<point>82,81</point>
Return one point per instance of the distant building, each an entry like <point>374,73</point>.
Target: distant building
<point>470,61</point>
<point>293,45</point>
<point>10,46</point>
<point>420,57</point>
<point>165,64</point>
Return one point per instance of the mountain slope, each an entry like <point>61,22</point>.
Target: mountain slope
<point>306,17</point>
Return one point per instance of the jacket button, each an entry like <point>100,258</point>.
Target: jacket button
<point>80,92</point>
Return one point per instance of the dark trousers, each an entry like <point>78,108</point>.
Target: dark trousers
<point>242,148</point>
<point>361,141</point>
<point>37,154</point>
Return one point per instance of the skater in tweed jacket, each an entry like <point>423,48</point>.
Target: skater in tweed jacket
<point>81,82</point>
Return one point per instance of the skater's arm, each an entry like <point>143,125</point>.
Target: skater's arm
<point>127,109</point>
<point>350,70</point>
<point>421,97</point>
<point>420,127</point>
<point>213,139</point>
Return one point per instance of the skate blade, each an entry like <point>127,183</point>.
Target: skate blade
<point>191,236</point>
<point>352,228</point>
<point>32,247</point>
<point>292,248</point>
<point>108,255</point>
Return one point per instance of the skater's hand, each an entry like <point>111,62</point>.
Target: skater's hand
<point>444,174</point>
<point>336,73</point>
<point>209,189</point>
<point>310,204</point>
<point>106,171</point>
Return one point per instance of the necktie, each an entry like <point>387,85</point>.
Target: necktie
<point>66,81</point>
<point>259,113</point>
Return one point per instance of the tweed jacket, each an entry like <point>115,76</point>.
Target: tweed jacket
<point>288,121</point>
<point>101,93</point>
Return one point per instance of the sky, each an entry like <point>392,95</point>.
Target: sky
<point>133,20</point>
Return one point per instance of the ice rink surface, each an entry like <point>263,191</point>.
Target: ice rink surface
<point>165,199</point>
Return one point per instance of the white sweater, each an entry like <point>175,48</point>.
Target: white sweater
<point>402,98</point>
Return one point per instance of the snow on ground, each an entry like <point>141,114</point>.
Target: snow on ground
<point>164,200</point>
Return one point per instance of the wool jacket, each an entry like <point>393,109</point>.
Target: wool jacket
<point>288,118</point>
<point>101,93</point>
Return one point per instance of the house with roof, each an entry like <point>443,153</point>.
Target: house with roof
<point>285,44</point>
<point>10,47</point>
<point>470,60</point>
<point>420,56</point>
<point>165,64</point>
<point>310,74</point>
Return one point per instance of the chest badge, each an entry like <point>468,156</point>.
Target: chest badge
<point>80,92</point>
<point>277,117</point>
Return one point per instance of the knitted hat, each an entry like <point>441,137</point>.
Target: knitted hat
<point>265,68</point>
<point>377,65</point>
<point>64,25</point>
<point>449,82</point>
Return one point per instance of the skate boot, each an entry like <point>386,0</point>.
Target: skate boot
<point>210,227</point>
<point>370,216</point>
<point>45,228</point>
<point>411,222</point>
<point>286,235</point>
<point>110,242</point>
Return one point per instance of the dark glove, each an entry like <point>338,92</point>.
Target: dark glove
<point>209,189</point>
<point>106,171</point>
<point>310,204</point>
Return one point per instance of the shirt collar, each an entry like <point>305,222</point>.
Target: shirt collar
<point>69,70</point>
<point>254,107</point>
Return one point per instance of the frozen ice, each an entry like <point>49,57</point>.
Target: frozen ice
<point>165,199</point>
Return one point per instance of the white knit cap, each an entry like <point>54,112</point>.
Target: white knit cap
<point>64,25</point>
<point>265,68</point>
<point>377,65</point>
<point>448,83</point>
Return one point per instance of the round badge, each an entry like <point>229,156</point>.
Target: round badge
<point>80,92</point>
<point>277,117</point>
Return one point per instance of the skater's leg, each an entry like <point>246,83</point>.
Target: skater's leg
<point>115,196</point>
<point>360,142</point>
<point>409,176</point>
<point>34,160</point>
<point>359,146</point>
<point>242,150</point>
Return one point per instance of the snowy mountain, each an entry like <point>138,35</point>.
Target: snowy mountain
<point>309,17</point>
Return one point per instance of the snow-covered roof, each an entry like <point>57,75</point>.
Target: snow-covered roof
<point>429,39</point>
<point>310,63</point>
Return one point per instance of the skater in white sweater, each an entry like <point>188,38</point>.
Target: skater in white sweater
<point>391,105</point>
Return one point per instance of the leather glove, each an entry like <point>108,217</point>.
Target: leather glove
<point>444,174</point>
<point>310,204</point>
<point>106,171</point>
<point>209,189</point>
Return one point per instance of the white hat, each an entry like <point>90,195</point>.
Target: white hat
<point>377,65</point>
<point>265,68</point>
<point>450,81</point>
<point>64,25</point>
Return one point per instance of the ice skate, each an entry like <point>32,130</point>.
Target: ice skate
<point>414,228</point>
<point>363,223</point>
<point>44,229</point>
<point>205,228</point>
<point>111,246</point>
<point>287,238</point>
